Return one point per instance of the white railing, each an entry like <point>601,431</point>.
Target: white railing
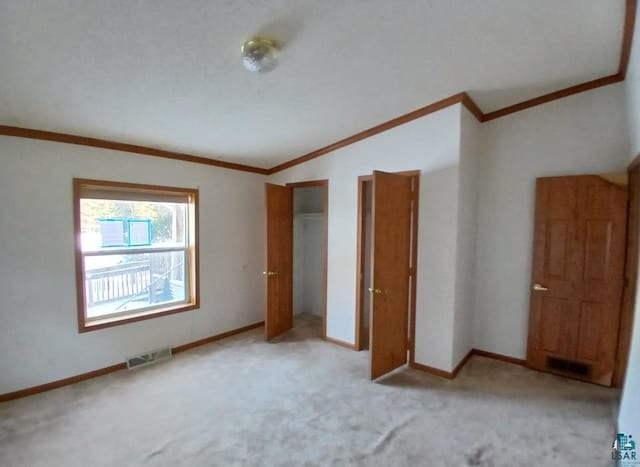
<point>117,282</point>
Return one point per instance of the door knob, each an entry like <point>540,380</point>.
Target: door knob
<point>269,273</point>
<point>375,291</point>
<point>539,288</point>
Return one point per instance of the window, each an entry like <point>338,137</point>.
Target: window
<point>136,252</point>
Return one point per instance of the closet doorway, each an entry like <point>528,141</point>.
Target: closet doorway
<point>297,221</point>
<point>310,252</point>
<point>386,268</point>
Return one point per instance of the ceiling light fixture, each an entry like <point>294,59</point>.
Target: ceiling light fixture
<point>259,54</point>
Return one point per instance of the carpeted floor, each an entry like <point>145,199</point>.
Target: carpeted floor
<point>305,402</point>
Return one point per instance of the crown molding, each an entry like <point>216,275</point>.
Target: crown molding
<point>461,98</point>
<point>552,96</point>
<point>627,36</point>
<point>117,146</point>
<point>421,112</point>
<point>466,100</point>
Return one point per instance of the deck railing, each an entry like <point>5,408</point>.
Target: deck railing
<point>117,282</point>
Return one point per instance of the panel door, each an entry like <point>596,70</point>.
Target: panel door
<point>577,276</point>
<point>391,218</point>
<point>631,276</point>
<point>279,272</point>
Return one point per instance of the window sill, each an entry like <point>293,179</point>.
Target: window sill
<point>96,324</point>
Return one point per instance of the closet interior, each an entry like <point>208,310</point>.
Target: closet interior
<point>366,266</point>
<point>309,264</point>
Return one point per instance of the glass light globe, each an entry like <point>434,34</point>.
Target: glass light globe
<point>259,55</point>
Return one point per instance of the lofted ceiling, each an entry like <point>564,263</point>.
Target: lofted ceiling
<point>168,74</point>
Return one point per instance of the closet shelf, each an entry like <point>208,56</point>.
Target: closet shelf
<point>310,215</point>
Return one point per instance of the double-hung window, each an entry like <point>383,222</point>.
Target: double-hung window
<point>136,251</point>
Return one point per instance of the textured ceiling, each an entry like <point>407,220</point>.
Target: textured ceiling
<point>168,74</point>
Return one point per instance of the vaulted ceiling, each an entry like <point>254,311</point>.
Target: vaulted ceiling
<point>168,74</point>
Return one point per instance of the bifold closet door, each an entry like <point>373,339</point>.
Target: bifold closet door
<point>577,279</point>
<point>391,249</point>
<point>279,271</point>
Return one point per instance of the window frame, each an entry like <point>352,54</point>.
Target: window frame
<point>191,251</point>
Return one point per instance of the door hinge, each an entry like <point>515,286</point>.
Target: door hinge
<point>626,282</point>
<point>411,272</point>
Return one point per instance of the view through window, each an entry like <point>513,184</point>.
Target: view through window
<point>136,249</point>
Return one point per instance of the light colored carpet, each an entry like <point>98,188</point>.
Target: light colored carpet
<point>305,402</point>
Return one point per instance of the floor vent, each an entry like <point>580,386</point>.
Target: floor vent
<point>148,358</point>
<point>568,366</point>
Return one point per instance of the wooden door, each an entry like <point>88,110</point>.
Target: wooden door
<point>279,272</point>
<point>577,278</point>
<point>391,219</point>
<point>631,275</point>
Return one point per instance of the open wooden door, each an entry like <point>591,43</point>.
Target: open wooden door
<point>577,279</point>
<point>279,273</point>
<point>391,245</point>
<point>631,275</point>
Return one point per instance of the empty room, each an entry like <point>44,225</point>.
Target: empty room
<point>346,233</point>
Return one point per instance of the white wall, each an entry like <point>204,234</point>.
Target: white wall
<point>582,134</point>
<point>470,152</point>
<point>628,421</point>
<point>313,286</point>
<point>436,279</point>
<point>632,87</point>
<point>430,144</point>
<point>39,339</point>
